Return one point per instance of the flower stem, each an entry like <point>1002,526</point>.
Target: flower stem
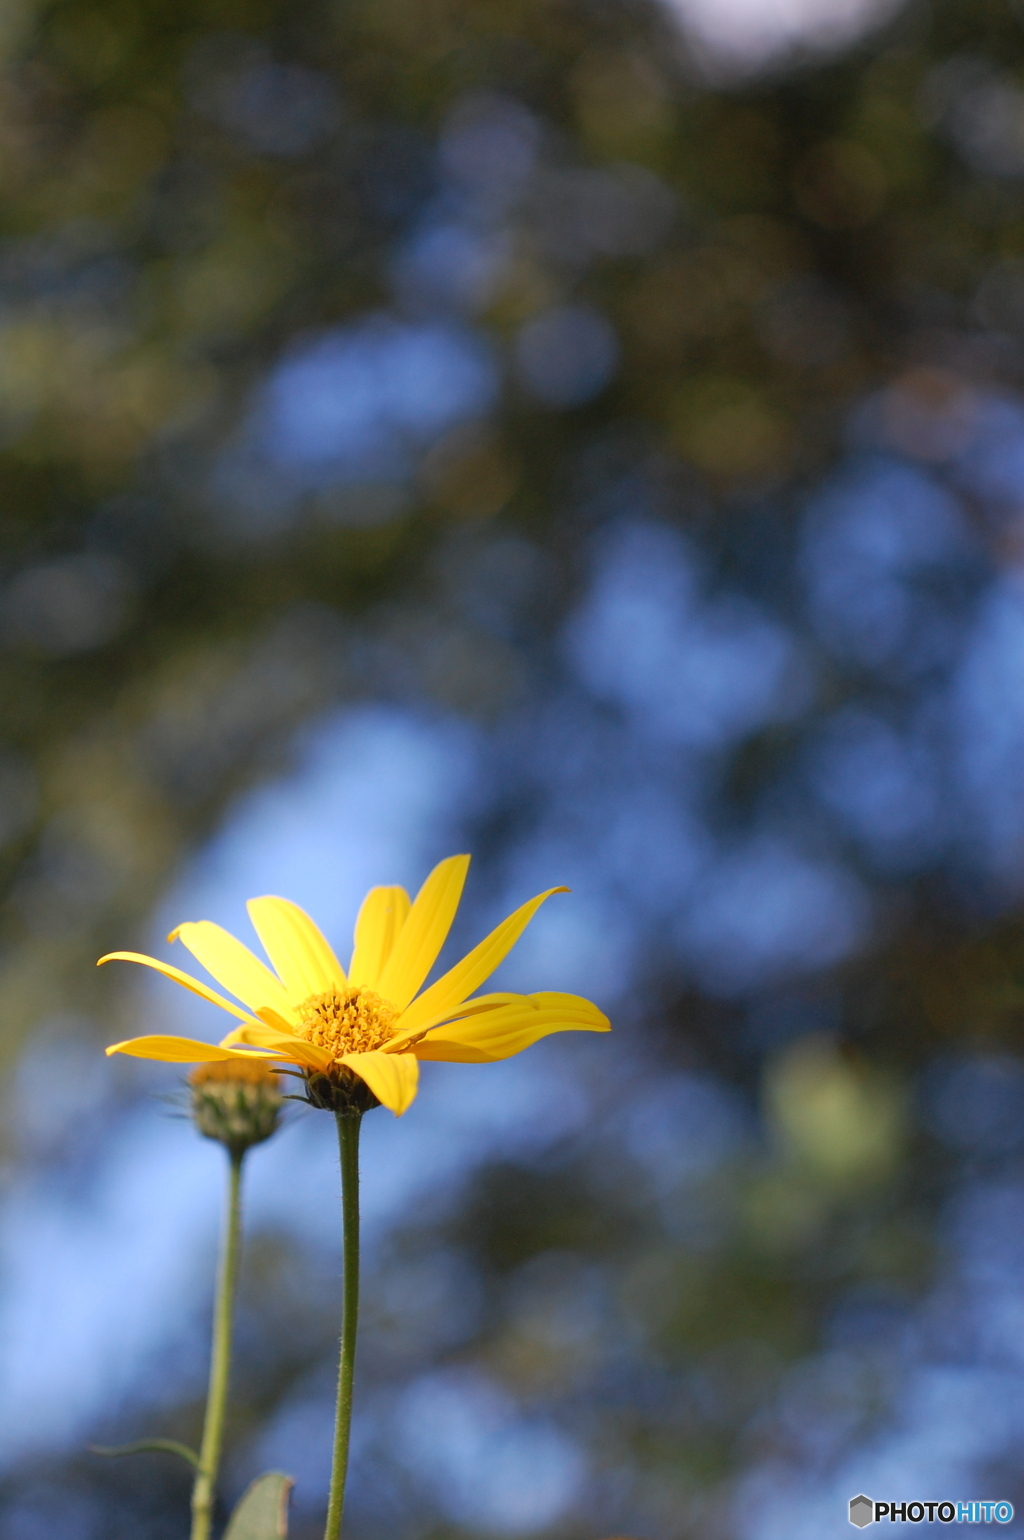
<point>205,1488</point>
<point>348,1149</point>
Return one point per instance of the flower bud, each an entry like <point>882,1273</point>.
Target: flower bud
<point>235,1101</point>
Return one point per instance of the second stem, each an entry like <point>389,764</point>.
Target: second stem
<point>348,1149</point>
<point>204,1490</point>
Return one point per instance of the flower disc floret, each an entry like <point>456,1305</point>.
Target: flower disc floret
<point>347,1021</point>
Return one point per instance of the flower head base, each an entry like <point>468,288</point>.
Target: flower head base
<point>235,1101</point>
<point>353,1020</point>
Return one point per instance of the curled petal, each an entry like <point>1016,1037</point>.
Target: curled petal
<point>184,979</point>
<point>233,965</point>
<point>270,1018</point>
<point>281,1045</point>
<point>504,1030</point>
<point>406,1038</point>
<point>177,1050</point>
<point>392,1077</point>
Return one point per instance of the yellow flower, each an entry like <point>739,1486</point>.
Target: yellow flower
<point>371,1026</point>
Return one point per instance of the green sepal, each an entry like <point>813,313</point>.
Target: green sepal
<point>262,1511</point>
<point>149,1446</point>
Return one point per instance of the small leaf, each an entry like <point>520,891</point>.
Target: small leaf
<point>147,1446</point>
<point>262,1512</point>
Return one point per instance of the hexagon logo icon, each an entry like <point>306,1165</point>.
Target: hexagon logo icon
<point>862,1511</point>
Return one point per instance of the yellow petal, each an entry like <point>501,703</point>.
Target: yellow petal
<point>234,966</point>
<point>383,913</point>
<point>424,932</point>
<point>300,953</point>
<point>404,1039</point>
<point>392,1077</point>
<point>442,998</point>
<point>184,979</point>
<point>282,1045</point>
<point>270,1018</point>
<point>175,1050</point>
<point>498,1033</point>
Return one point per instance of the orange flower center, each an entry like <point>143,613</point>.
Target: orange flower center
<point>352,1021</point>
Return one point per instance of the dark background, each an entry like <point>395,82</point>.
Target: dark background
<point>590,435</point>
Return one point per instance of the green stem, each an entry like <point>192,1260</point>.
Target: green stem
<point>205,1489</point>
<point>348,1149</point>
